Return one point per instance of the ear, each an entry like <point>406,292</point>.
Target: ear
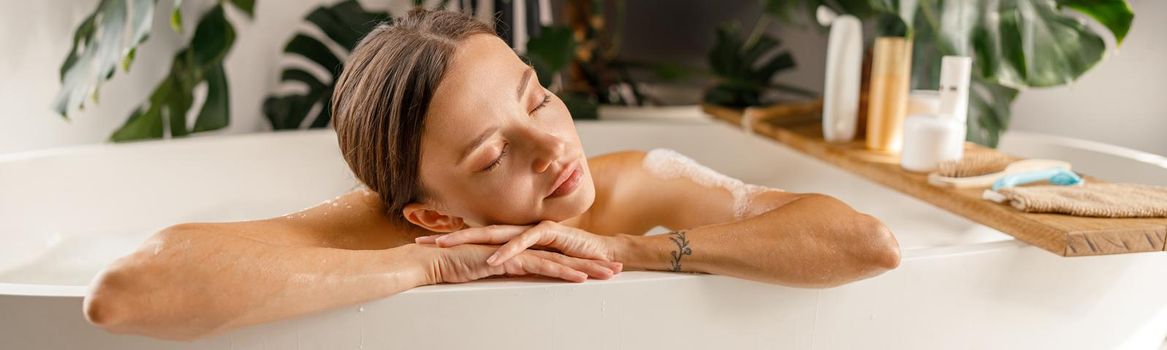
<point>427,217</point>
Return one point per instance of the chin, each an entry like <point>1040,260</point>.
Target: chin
<point>574,204</point>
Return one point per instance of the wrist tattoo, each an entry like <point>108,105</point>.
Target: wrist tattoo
<point>683,249</point>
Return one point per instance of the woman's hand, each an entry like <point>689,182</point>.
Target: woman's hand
<point>467,262</point>
<point>516,239</point>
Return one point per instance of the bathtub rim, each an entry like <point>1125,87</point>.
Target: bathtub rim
<point>907,255</point>
<point>1066,141</point>
<point>48,290</point>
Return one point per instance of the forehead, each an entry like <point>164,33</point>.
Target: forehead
<point>480,83</point>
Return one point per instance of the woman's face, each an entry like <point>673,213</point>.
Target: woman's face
<point>496,144</point>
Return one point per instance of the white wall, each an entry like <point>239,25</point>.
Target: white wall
<point>1123,101</point>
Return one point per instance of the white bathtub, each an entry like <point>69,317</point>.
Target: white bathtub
<point>66,213</point>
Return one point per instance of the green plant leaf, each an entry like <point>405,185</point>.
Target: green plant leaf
<point>782,9</point>
<point>1016,43</point>
<point>247,6</point>
<point>581,107</point>
<point>144,123</point>
<point>212,38</point>
<point>314,50</point>
<point>102,42</point>
<point>142,18</point>
<point>179,101</point>
<point>724,49</point>
<point>989,103</point>
<point>176,16</point>
<point>174,96</point>
<point>216,111</point>
<point>81,37</point>
<point>344,23</point>
<point>288,112</point>
<point>543,70</point>
<point>745,70</point>
<point>989,111</point>
<point>554,46</point>
<point>1116,15</point>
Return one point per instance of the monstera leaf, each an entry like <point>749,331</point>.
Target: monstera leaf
<point>1015,44</point>
<point>344,24</point>
<point>110,36</point>
<point>200,62</point>
<point>107,37</point>
<point>1020,43</point>
<point>247,6</point>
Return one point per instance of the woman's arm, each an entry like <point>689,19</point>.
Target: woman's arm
<point>201,282</point>
<point>812,241</point>
<point>806,240</point>
<point>194,280</point>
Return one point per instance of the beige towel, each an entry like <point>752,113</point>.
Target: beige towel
<point>1115,200</point>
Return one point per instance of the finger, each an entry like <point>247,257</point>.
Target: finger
<point>594,268</point>
<point>615,266</point>
<point>427,239</point>
<point>531,264</point>
<point>517,245</point>
<point>495,234</point>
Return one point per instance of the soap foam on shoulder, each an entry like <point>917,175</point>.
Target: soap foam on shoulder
<point>669,164</point>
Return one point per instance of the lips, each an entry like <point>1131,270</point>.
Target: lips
<point>567,180</point>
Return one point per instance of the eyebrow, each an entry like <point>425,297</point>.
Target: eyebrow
<point>523,82</point>
<point>474,144</point>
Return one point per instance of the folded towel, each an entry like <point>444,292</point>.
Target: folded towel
<point>1114,200</point>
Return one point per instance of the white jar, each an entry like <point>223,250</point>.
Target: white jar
<point>930,139</point>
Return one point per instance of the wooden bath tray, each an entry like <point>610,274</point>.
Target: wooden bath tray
<point>799,126</point>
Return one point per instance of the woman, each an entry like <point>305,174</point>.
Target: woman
<point>452,134</point>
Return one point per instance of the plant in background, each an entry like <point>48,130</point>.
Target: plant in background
<point>585,49</point>
<point>744,69</point>
<point>1015,44</point>
<point>552,51</point>
<point>580,60</point>
<point>109,37</point>
<point>344,24</point>
<point>111,34</point>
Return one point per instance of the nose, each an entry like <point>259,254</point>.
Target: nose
<point>547,147</point>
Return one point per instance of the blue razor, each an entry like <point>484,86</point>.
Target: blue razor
<point>1056,176</point>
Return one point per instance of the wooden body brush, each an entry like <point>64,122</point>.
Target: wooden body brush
<point>981,170</point>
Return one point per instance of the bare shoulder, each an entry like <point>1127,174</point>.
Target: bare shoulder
<point>355,220</point>
<point>620,161</point>
<point>661,187</point>
<point>617,176</point>
<point>617,169</point>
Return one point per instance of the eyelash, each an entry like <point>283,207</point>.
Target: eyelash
<point>495,163</point>
<point>546,99</point>
<point>506,147</point>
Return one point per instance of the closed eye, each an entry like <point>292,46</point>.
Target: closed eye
<point>505,148</point>
<point>546,99</point>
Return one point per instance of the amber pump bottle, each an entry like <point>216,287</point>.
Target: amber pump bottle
<point>891,68</point>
